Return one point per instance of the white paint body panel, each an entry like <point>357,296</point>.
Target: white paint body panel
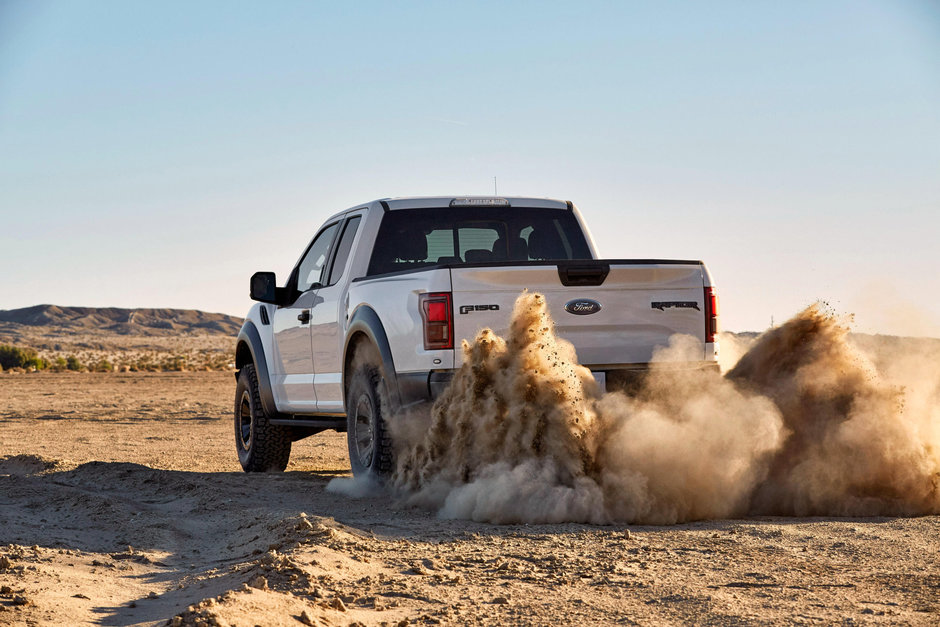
<point>625,331</point>
<point>292,374</point>
<point>395,300</point>
<point>328,322</point>
<point>264,331</point>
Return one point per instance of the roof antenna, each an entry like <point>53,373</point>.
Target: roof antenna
<point>495,193</point>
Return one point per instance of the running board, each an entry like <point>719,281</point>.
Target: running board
<point>316,423</point>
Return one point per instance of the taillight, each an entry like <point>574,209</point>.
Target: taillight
<point>711,314</point>
<point>438,315</point>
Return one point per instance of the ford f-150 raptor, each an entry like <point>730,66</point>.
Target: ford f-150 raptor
<point>383,294</point>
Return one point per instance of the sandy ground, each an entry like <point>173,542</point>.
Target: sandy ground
<point>122,502</point>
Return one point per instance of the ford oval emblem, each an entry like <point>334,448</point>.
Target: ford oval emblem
<point>582,306</point>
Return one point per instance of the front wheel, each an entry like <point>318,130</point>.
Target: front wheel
<point>262,447</point>
<point>370,448</point>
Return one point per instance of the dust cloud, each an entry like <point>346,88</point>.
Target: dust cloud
<point>803,424</point>
<point>858,445</point>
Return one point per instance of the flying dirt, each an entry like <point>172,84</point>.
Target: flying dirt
<point>802,425</point>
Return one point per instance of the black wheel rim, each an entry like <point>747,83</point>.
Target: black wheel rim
<point>244,420</point>
<point>364,430</point>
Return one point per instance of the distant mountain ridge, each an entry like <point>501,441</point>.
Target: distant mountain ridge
<point>156,322</point>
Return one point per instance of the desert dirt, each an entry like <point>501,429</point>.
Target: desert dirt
<point>122,502</point>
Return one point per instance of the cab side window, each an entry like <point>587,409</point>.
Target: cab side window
<point>343,249</point>
<point>312,266</point>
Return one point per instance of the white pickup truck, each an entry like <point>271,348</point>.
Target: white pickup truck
<point>385,292</point>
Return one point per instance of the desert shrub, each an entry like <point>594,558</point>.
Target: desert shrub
<point>174,363</point>
<point>59,364</point>
<point>16,357</point>
<point>144,364</point>
<point>104,365</point>
<point>72,363</point>
<point>11,356</point>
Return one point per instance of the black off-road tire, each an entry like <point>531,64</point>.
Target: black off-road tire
<point>262,447</point>
<point>370,446</point>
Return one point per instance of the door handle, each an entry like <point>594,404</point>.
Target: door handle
<point>304,316</point>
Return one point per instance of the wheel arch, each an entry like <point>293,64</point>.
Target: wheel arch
<point>243,355</point>
<point>365,327</point>
<point>250,350</point>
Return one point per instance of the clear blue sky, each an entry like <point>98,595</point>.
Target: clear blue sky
<point>155,154</point>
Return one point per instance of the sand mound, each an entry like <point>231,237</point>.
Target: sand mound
<point>25,465</point>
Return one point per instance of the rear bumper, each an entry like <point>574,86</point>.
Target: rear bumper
<point>422,387</point>
<point>426,386</point>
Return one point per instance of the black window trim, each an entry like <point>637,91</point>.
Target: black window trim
<point>335,245</point>
<point>295,273</point>
<point>569,207</point>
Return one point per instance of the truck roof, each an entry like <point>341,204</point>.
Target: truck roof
<point>421,202</point>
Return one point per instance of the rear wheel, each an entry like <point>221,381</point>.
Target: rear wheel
<point>370,447</point>
<point>262,447</point>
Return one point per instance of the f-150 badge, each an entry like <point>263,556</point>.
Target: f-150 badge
<point>465,309</point>
<point>677,304</point>
<point>582,306</point>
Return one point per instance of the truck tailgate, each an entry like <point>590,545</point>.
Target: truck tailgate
<point>641,305</point>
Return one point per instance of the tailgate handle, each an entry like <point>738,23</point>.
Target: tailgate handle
<point>583,274</point>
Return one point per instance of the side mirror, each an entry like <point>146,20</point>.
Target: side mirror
<point>264,287</point>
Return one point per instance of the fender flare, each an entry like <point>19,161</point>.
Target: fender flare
<point>364,320</point>
<point>250,337</point>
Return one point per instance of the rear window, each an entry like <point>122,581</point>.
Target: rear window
<point>415,238</point>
